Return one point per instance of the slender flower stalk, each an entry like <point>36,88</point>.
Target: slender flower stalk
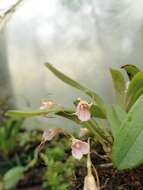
<point>89,181</point>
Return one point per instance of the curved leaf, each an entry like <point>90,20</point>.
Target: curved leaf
<point>134,89</point>
<point>127,148</point>
<point>58,110</point>
<point>75,84</point>
<point>131,70</point>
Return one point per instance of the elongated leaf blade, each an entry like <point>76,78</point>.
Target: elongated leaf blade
<point>131,70</point>
<point>134,89</point>
<point>119,85</point>
<point>76,85</point>
<point>115,116</point>
<point>58,110</point>
<point>127,148</point>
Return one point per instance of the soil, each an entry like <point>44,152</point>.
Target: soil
<point>110,178</point>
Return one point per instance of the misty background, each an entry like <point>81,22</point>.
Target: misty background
<point>82,38</point>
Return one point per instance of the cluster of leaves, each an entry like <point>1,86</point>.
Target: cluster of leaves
<point>124,133</point>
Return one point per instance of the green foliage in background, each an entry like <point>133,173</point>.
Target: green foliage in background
<point>60,166</point>
<point>18,159</point>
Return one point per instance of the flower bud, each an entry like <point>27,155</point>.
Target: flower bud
<point>46,104</point>
<point>89,183</point>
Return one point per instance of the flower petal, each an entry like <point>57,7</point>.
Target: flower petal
<point>84,115</point>
<point>76,153</point>
<point>83,111</point>
<point>85,148</point>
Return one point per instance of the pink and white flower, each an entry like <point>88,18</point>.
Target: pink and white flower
<point>49,134</point>
<point>46,104</point>
<point>83,111</point>
<point>79,148</point>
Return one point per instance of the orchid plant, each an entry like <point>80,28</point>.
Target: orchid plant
<point>117,127</point>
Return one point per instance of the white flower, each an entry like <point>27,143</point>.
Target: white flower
<point>79,148</point>
<point>83,111</point>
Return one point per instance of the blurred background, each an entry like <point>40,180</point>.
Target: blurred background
<point>82,38</point>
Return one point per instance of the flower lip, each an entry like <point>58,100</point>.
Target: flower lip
<point>83,111</point>
<point>79,148</point>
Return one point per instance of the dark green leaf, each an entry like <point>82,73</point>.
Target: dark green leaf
<point>135,89</point>
<point>97,112</point>
<point>131,70</point>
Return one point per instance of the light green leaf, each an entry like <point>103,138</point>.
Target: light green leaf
<point>12,177</point>
<point>131,70</point>
<point>75,84</point>
<point>58,110</point>
<point>115,116</point>
<point>127,148</point>
<point>119,85</point>
<point>135,89</point>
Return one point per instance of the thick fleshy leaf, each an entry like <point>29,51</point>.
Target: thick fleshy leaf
<point>97,112</point>
<point>131,70</point>
<point>127,148</point>
<point>75,84</point>
<point>119,85</point>
<point>115,116</point>
<point>58,110</point>
<point>135,89</point>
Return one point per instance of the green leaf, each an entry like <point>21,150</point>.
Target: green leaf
<point>58,110</point>
<point>127,148</point>
<point>97,112</point>
<point>131,70</point>
<point>75,84</point>
<point>115,116</point>
<point>135,89</point>
<point>119,85</point>
<point>12,177</point>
